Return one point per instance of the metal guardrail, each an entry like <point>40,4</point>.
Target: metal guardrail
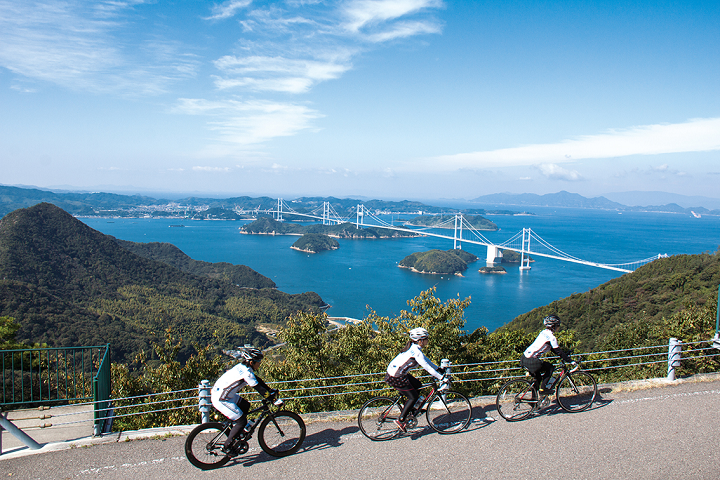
<point>373,383</point>
<point>50,375</point>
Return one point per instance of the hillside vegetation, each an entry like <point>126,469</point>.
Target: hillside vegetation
<point>240,275</point>
<point>269,226</point>
<point>315,242</point>
<point>447,262</point>
<point>646,296</point>
<point>67,285</point>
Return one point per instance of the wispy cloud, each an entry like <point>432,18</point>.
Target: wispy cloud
<point>289,48</point>
<point>373,15</point>
<point>228,9</point>
<point>697,135</point>
<point>244,123</point>
<point>73,44</point>
<point>260,73</point>
<point>211,169</point>
<point>556,172</point>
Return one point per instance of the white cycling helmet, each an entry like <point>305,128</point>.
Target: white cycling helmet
<point>418,334</point>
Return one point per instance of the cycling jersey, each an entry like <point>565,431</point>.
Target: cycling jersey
<point>545,341</point>
<point>224,394</point>
<point>409,359</point>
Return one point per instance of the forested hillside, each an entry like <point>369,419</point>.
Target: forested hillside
<point>656,290</point>
<point>269,226</point>
<point>67,284</point>
<point>453,261</point>
<point>240,275</point>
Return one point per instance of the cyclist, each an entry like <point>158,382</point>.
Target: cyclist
<point>545,341</point>
<point>397,375</point>
<point>224,394</point>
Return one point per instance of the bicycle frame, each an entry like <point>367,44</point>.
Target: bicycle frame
<point>228,424</point>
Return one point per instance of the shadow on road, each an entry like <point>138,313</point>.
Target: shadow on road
<point>328,438</point>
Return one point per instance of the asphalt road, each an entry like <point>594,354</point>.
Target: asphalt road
<point>664,432</point>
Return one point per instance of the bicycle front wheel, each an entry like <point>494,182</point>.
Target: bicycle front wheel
<point>281,433</point>
<point>203,446</point>
<point>516,400</point>
<point>448,412</point>
<point>576,392</point>
<point>376,418</point>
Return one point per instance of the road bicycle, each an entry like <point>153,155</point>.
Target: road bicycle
<point>446,412</point>
<point>280,433</point>
<point>575,391</point>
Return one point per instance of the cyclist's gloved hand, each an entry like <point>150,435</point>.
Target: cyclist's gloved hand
<point>441,370</point>
<point>278,402</point>
<point>573,363</point>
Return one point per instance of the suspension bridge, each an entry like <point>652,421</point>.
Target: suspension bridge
<point>526,242</point>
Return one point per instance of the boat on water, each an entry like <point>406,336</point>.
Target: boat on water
<point>696,215</point>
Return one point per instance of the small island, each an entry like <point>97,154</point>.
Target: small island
<point>511,256</point>
<point>495,270</point>
<point>269,226</point>
<point>438,262</point>
<point>314,243</point>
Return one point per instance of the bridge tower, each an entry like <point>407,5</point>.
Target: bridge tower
<point>279,210</point>
<point>458,238</point>
<point>360,216</point>
<point>494,255</point>
<point>525,248</point>
<point>326,213</point>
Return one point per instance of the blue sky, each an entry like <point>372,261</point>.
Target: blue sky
<point>414,99</point>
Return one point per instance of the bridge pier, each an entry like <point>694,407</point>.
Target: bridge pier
<point>494,255</point>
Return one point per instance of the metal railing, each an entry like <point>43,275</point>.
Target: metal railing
<point>50,375</point>
<point>641,359</point>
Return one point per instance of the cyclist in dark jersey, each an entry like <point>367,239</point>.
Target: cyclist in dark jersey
<point>544,342</point>
<point>398,375</point>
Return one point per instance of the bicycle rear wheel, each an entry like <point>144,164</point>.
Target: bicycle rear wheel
<point>203,446</point>
<point>448,412</point>
<point>516,400</point>
<point>576,392</point>
<point>376,418</point>
<point>281,433</point>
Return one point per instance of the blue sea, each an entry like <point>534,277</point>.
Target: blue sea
<point>363,275</point>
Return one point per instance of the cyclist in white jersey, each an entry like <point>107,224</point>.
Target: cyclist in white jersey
<point>398,375</point>
<point>544,342</point>
<point>224,394</point>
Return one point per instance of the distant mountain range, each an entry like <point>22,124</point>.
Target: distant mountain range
<point>111,204</point>
<point>565,199</point>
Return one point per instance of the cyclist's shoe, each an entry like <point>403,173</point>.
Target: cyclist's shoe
<point>401,426</point>
<point>545,392</point>
<point>229,451</point>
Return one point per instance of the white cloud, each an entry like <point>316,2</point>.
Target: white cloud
<point>556,172</point>
<point>211,169</point>
<point>80,46</point>
<point>697,135</point>
<point>280,74</point>
<point>243,123</point>
<point>364,13</point>
<point>228,9</point>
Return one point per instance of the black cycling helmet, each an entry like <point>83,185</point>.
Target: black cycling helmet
<point>251,354</point>
<point>551,321</point>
